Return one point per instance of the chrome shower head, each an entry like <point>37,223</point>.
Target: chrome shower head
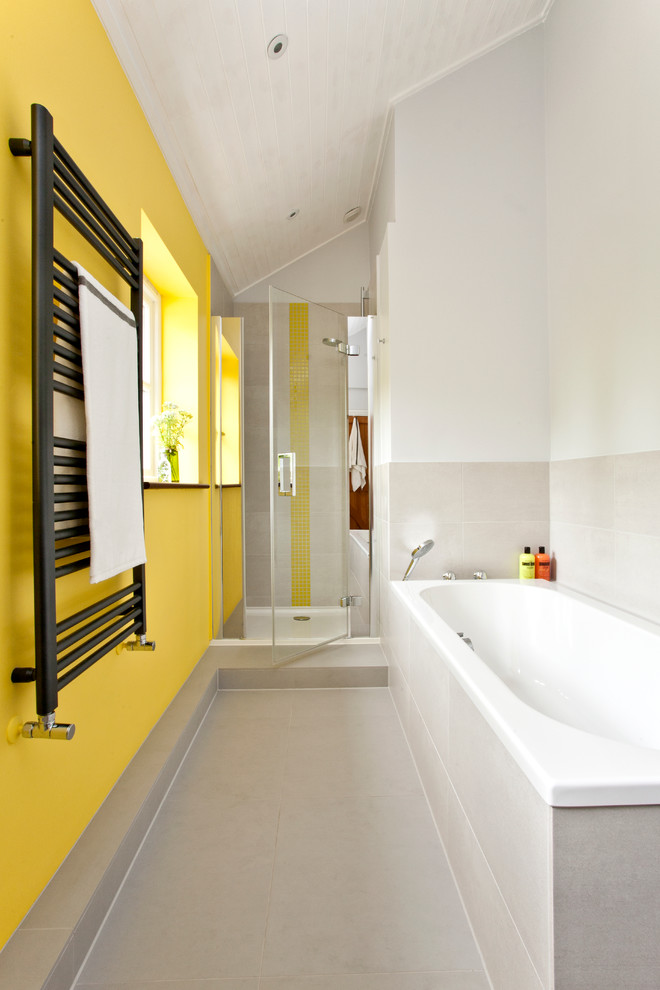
<point>415,555</point>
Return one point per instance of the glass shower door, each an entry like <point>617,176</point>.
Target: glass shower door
<point>309,475</point>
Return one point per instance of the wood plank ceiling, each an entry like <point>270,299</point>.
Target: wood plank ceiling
<point>250,139</point>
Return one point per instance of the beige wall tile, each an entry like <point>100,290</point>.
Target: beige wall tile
<point>397,628</point>
<point>257,533</point>
<point>326,530</point>
<point>637,492</point>
<point>495,547</point>
<point>256,405</point>
<point>431,770</point>
<point>582,491</point>
<point>505,491</point>
<point>446,555</point>
<point>510,821</point>
<point>255,342</point>
<point>506,960</point>
<point>585,559</point>
<point>400,692</point>
<point>425,492</point>
<point>256,447</point>
<point>257,491</point>
<point>637,574</point>
<point>328,574</point>
<point>257,580</point>
<point>429,685</point>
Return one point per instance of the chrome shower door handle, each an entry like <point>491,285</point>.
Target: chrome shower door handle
<point>286,485</point>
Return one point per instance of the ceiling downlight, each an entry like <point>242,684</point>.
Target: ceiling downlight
<point>352,214</point>
<point>277,46</point>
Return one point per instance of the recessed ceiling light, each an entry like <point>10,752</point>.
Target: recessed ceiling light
<point>293,214</point>
<point>277,46</point>
<point>352,214</point>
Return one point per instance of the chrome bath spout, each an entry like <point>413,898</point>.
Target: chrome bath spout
<point>418,552</point>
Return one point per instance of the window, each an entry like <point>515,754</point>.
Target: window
<point>151,365</point>
<point>172,372</point>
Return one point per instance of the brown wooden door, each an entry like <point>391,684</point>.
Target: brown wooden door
<point>359,500</point>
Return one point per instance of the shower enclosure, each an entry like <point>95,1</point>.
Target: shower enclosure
<point>308,475</point>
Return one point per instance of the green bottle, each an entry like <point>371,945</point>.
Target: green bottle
<point>526,564</point>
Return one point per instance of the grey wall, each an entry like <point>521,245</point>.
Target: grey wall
<point>222,302</point>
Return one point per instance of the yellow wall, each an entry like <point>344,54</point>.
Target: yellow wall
<point>57,54</point>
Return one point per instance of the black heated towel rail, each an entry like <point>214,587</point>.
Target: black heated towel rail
<point>66,648</point>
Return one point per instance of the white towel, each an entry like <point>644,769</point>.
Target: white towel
<point>357,462</point>
<point>114,484</point>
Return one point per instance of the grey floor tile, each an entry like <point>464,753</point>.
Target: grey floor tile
<point>355,655</point>
<point>230,705</point>
<point>251,984</point>
<point>243,757</point>
<point>241,655</point>
<point>336,756</point>
<point>346,704</point>
<point>295,851</point>
<point>380,981</point>
<point>195,904</point>
<point>361,885</point>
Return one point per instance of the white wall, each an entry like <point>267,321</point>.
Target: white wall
<point>334,272</point>
<point>603,155</point>
<point>467,264</point>
<point>603,141</point>
<point>383,206</point>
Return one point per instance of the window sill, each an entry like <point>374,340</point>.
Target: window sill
<point>172,484</point>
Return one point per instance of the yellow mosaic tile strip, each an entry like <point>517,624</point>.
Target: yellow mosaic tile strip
<point>299,427</point>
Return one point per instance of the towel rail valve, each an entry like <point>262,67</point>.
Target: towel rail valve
<point>141,643</point>
<point>47,728</point>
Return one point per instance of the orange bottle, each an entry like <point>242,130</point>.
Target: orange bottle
<point>542,564</point>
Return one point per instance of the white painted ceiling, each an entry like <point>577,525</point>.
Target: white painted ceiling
<point>249,139</point>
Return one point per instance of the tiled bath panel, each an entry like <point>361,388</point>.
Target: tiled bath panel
<point>558,898</point>
<point>295,850</point>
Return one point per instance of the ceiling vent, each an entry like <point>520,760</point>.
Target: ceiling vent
<point>353,214</point>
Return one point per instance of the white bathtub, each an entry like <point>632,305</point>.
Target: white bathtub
<point>570,687</point>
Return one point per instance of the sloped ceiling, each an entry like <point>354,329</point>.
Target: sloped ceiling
<point>250,140</point>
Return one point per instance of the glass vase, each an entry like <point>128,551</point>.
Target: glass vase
<point>164,468</point>
<point>173,458</point>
